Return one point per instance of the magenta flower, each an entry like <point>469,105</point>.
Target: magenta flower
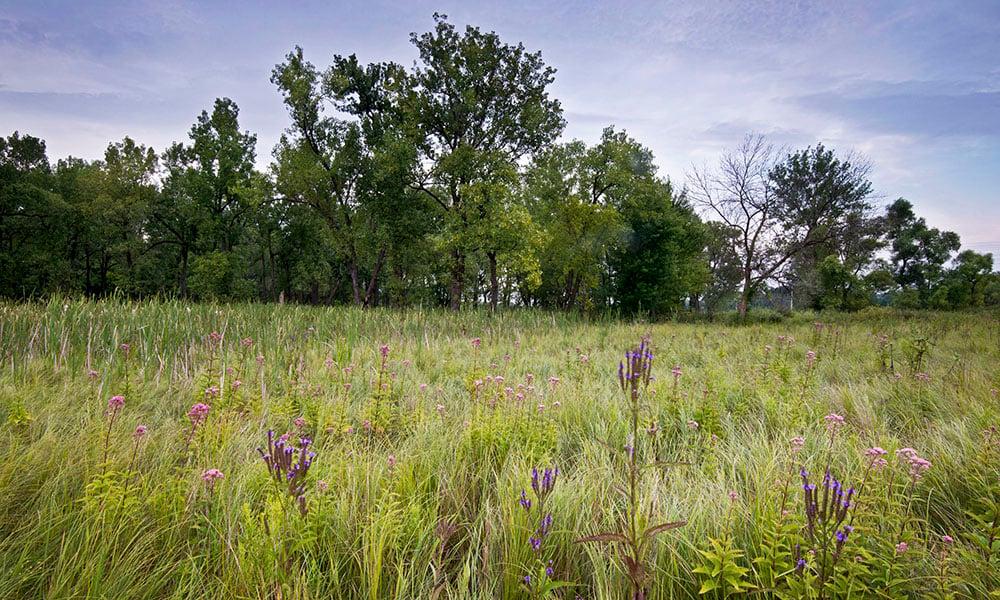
<point>140,431</point>
<point>116,403</point>
<point>902,548</point>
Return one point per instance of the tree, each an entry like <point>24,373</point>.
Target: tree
<point>127,189</point>
<point>966,280</point>
<point>659,262</point>
<point>780,209</point>
<point>353,173</point>
<point>32,219</point>
<point>477,107</point>
<point>566,189</point>
<point>210,194</point>
<point>919,253</point>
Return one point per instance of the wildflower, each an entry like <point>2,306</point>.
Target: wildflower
<point>692,424</point>
<point>875,451</point>
<point>440,409</point>
<point>541,408</point>
<point>210,477</point>
<point>918,466</point>
<point>902,548</point>
<point>556,404</point>
<point>810,357</point>
<point>733,496</point>
<point>392,461</point>
<point>583,358</point>
<point>797,444</point>
<point>246,342</point>
<point>116,403</point>
<point>384,351</point>
<point>260,360</point>
<point>349,430</point>
<point>905,453</point>
<point>923,377</point>
<point>833,421</point>
<point>198,413</point>
<point>140,430</point>
<point>947,539</point>
<point>93,374</point>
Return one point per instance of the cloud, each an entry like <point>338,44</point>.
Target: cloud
<point>921,114</point>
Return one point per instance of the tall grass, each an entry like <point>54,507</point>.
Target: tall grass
<point>441,518</point>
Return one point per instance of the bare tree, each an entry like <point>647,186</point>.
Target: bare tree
<point>739,194</point>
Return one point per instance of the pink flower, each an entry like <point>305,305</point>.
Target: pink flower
<point>440,409</point>
<point>322,485</point>
<point>237,384</point>
<point>810,357</point>
<point>260,359</point>
<point>392,461</point>
<point>833,421</point>
<point>797,444</point>
<point>476,343</point>
<point>246,343</point>
<point>541,408</point>
<point>923,377</point>
<point>875,451</point>
<point>733,496</point>
<point>93,374</point>
<point>211,475</point>
<point>902,548</point>
<point>947,539</point>
<point>556,404</point>
<point>692,424</point>
<point>905,453</point>
<point>349,430</point>
<point>212,392</point>
<point>140,430</point>
<point>116,403</point>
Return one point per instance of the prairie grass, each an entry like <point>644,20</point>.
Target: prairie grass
<point>423,443</point>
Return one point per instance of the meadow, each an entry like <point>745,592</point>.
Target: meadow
<point>171,450</point>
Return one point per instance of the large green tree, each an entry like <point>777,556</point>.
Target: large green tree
<point>32,219</point>
<point>477,107</point>
<point>919,252</point>
<point>351,167</point>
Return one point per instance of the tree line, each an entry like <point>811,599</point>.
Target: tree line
<point>444,184</point>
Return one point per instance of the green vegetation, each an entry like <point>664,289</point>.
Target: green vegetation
<point>425,427</point>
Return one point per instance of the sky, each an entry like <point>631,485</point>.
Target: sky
<point>912,85</point>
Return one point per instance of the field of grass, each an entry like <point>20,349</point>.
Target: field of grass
<point>424,428</point>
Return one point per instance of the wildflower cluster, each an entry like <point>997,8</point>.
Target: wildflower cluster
<point>636,370</point>
<point>542,484</point>
<point>289,466</point>
<point>827,513</point>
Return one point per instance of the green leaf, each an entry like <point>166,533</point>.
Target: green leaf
<point>708,586</point>
<point>655,530</point>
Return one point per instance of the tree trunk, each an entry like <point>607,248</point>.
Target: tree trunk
<point>457,279</point>
<point>355,284</point>
<point>494,283</point>
<point>184,273</point>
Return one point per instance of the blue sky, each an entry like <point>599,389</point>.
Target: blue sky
<point>914,85</point>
